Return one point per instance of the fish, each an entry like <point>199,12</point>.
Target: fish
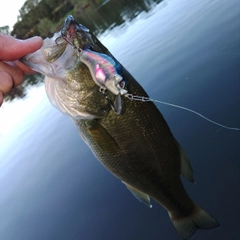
<point>135,145</point>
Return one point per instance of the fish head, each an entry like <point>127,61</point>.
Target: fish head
<point>68,81</point>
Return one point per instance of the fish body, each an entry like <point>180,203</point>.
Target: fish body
<point>136,145</point>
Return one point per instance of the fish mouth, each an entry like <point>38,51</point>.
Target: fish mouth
<point>77,35</point>
<point>72,35</point>
<point>71,26</point>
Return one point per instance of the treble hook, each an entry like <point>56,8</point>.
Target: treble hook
<point>117,106</point>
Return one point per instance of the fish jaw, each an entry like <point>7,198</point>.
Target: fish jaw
<point>51,58</point>
<point>37,62</point>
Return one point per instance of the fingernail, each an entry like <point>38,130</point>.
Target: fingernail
<point>36,38</point>
<point>33,39</point>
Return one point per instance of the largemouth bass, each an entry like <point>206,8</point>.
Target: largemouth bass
<point>135,144</point>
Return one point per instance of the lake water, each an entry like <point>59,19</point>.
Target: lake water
<point>183,52</point>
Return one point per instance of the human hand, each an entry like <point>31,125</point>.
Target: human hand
<point>12,70</point>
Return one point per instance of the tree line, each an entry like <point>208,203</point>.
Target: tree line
<point>44,17</point>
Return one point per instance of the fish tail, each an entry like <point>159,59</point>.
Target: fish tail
<point>198,219</point>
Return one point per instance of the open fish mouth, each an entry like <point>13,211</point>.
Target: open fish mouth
<point>77,35</point>
<point>72,34</point>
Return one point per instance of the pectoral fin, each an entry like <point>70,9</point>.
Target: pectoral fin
<point>142,197</point>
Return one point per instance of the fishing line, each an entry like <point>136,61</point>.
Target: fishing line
<point>146,99</point>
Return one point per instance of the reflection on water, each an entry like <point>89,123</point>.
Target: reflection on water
<point>113,13</point>
<point>52,187</point>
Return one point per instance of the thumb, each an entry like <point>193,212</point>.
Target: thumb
<point>13,49</point>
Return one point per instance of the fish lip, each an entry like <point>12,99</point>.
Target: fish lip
<point>46,67</point>
<point>78,36</point>
<point>73,30</point>
<point>70,23</point>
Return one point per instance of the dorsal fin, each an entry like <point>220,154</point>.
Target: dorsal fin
<point>142,197</point>
<point>186,169</point>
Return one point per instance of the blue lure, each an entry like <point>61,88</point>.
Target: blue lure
<point>105,71</point>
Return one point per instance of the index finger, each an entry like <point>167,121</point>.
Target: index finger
<point>13,49</point>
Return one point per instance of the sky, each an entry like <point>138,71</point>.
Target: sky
<point>9,12</point>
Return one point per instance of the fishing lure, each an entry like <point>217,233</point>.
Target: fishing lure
<point>107,74</point>
<point>105,71</point>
